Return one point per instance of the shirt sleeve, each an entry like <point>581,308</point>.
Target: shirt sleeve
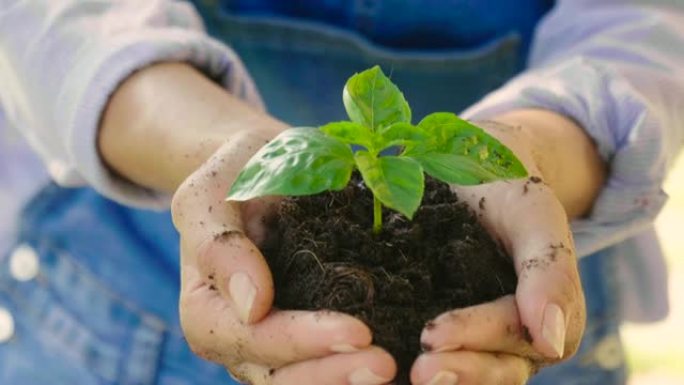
<point>61,60</point>
<point>615,67</point>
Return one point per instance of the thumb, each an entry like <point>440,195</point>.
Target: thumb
<point>213,240</point>
<point>549,293</point>
<point>230,263</point>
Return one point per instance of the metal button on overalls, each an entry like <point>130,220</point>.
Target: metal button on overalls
<point>6,325</point>
<point>24,264</point>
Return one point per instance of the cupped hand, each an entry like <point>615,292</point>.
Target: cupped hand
<point>227,292</point>
<point>508,340</point>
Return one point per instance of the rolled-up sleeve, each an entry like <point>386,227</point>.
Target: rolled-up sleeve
<point>615,67</point>
<point>61,60</point>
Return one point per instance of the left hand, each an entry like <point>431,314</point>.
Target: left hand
<point>227,291</point>
<point>508,340</point>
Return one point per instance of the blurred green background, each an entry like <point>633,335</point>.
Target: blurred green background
<point>656,352</point>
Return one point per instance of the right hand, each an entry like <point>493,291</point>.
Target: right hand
<point>227,292</point>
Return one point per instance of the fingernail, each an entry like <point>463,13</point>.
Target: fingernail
<point>343,348</point>
<point>553,328</point>
<point>242,292</point>
<point>444,378</point>
<point>364,376</point>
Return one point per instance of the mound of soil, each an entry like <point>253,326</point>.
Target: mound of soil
<point>326,257</point>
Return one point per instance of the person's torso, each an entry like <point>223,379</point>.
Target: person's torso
<point>443,55</point>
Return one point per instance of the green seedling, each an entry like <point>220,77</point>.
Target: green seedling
<point>307,160</point>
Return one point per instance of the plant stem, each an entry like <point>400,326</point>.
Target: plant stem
<point>377,216</point>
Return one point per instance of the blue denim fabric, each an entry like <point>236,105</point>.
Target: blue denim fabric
<point>103,309</point>
<point>300,66</point>
<point>408,24</point>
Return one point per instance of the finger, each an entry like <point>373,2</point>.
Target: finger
<point>203,312</point>
<point>551,305</point>
<point>373,366</point>
<point>252,374</point>
<point>213,238</point>
<point>491,327</point>
<point>231,264</point>
<point>289,336</point>
<point>214,332</point>
<point>549,292</point>
<point>470,368</point>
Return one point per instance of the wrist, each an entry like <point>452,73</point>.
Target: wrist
<point>165,120</point>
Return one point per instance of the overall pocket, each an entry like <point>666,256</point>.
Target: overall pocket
<point>300,67</point>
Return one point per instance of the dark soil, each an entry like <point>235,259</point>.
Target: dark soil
<point>326,257</point>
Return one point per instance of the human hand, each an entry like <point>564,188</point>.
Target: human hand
<point>227,292</point>
<point>508,340</point>
<point>226,287</point>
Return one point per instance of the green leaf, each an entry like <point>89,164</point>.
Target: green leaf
<point>456,169</point>
<point>396,181</point>
<point>350,132</point>
<point>372,100</point>
<point>399,134</point>
<point>449,134</point>
<point>299,161</point>
<point>440,128</point>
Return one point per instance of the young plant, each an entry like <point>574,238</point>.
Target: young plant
<point>306,160</point>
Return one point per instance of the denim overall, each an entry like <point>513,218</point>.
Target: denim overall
<point>102,308</point>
